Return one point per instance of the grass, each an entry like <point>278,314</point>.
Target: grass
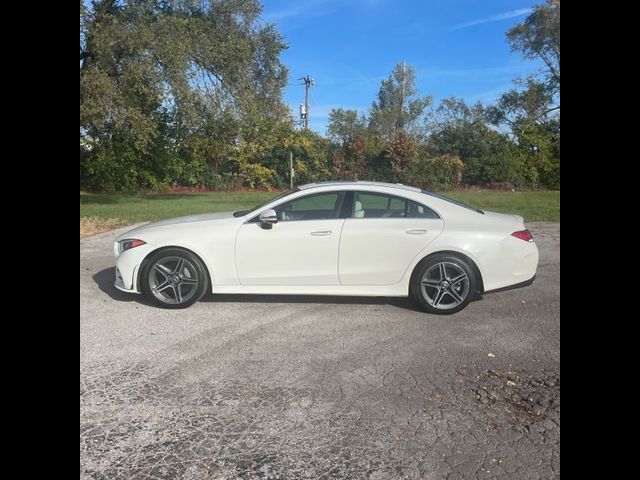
<point>144,207</point>
<point>101,212</point>
<point>539,206</point>
<point>92,225</point>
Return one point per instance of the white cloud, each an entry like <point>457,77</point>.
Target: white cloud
<point>302,10</point>
<point>494,18</point>
<point>310,8</point>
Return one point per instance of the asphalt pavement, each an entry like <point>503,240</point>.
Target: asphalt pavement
<point>304,387</point>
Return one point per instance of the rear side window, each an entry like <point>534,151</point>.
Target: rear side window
<point>417,210</point>
<point>378,205</point>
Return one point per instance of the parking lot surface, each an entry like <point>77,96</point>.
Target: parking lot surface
<point>287,387</point>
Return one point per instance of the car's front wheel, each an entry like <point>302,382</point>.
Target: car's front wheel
<point>174,278</point>
<point>443,284</point>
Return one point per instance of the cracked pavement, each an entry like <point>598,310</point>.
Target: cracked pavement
<point>303,387</point>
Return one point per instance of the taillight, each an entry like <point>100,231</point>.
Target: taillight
<point>523,235</point>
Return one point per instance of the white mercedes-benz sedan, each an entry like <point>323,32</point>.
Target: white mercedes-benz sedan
<point>332,238</point>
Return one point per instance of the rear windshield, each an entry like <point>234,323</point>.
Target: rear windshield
<point>451,200</point>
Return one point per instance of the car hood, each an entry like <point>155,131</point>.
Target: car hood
<point>215,218</point>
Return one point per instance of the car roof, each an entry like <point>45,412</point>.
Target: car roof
<point>358,183</point>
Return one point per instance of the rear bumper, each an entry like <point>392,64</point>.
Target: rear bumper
<point>511,262</point>
<point>526,283</point>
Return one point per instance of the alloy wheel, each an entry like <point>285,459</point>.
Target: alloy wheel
<point>445,285</point>
<point>173,280</point>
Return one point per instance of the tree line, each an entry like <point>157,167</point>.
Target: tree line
<point>189,93</point>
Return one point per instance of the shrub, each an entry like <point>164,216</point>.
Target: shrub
<point>110,170</point>
<point>440,172</point>
<point>259,177</point>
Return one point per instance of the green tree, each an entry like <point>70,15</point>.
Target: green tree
<point>453,112</point>
<point>538,37</point>
<point>345,124</point>
<point>532,109</point>
<point>462,131</point>
<point>349,132</point>
<point>398,107</point>
<point>154,74</point>
<point>435,173</point>
<point>400,152</point>
<point>310,158</point>
<point>537,98</point>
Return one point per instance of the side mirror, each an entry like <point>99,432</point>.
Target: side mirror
<point>268,218</point>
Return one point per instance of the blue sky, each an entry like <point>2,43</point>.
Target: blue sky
<point>457,48</point>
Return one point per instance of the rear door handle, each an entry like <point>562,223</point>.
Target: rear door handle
<point>415,232</point>
<point>320,233</point>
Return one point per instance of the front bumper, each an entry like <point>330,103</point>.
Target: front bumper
<point>127,266</point>
<point>119,283</point>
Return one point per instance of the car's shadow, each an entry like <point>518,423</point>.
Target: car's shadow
<point>104,279</point>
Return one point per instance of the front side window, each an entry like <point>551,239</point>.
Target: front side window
<point>378,205</point>
<point>242,213</point>
<point>320,206</point>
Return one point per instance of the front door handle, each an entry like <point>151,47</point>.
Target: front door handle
<point>320,233</point>
<point>415,232</point>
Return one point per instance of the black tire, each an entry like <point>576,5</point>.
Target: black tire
<point>454,266</point>
<point>177,288</point>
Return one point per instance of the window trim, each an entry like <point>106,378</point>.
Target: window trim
<point>390,195</point>
<point>345,198</point>
<point>244,213</point>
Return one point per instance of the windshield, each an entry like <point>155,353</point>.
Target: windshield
<point>241,213</point>
<point>451,200</point>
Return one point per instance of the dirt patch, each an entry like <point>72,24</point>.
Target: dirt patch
<point>93,225</point>
<point>524,398</point>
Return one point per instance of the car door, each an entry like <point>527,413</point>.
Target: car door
<point>300,249</point>
<point>382,237</point>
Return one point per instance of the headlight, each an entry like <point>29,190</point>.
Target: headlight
<point>129,243</point>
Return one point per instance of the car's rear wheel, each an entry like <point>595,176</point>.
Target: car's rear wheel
<point>174,278</point>
<point>443,284</point>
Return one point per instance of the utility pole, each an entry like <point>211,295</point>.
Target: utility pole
<point>291,172</point>
<point>400,122</point>
<point>304,109</point>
